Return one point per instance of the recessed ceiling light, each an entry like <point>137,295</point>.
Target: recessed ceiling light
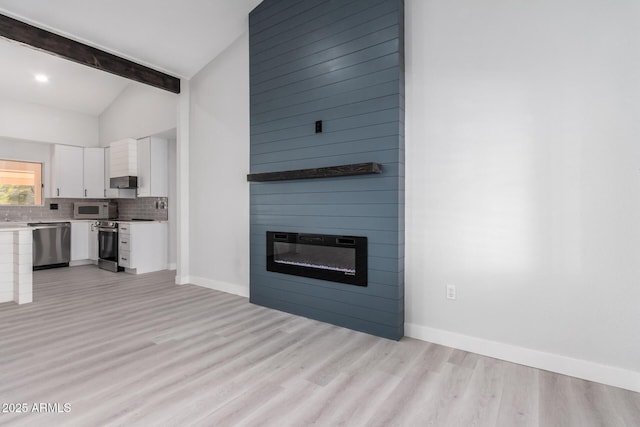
<point>42,78</point>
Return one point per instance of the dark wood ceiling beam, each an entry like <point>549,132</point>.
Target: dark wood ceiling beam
<point>72,50</point>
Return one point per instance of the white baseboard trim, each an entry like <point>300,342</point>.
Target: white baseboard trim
<point>182,280</point>
<point>6,296</point>
<point>173,266</point>
<point>578,368</point>
<point>230,288</point>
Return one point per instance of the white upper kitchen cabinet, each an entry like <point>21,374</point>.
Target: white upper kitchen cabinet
<point>67,169</point>
<point>114,193</point>
<point>153,167</point>
<point>94,173</point>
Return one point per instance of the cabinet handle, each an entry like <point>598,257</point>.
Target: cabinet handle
<point>58,191</point>
<point>124,242</point>
<point>85,192</point>
<point>123,259</point>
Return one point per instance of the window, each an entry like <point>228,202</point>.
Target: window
<point>20,183</point>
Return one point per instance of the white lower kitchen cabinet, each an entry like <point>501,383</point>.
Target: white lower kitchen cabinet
<point>93,242</point>
<point>142,246</point>
<point>84,243</point>
<point>79,242</point>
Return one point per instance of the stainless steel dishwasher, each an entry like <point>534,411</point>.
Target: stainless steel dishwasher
<point>51,244</point>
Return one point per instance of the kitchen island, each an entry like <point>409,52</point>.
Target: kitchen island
<point>16,263</point>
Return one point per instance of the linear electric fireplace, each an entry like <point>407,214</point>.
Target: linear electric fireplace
<point>320,256</point>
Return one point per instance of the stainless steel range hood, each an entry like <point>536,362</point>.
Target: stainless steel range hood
<point>124,182</point>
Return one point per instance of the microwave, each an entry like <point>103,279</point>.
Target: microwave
<point>95,210</point>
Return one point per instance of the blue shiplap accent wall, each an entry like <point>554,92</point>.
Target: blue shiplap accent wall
<point>339,61</point>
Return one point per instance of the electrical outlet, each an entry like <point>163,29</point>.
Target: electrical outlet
<point>451,292</point>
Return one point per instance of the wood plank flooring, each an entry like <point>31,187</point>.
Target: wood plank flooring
<point>126,350</point>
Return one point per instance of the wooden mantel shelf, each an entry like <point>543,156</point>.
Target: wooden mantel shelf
<point>326,172</point>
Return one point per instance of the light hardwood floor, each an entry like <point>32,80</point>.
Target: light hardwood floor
<point>139,350</point>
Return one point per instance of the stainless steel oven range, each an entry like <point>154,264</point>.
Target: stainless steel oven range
<point>108,245</point>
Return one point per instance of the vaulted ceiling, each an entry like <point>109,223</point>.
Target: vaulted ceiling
<point>176,37</point>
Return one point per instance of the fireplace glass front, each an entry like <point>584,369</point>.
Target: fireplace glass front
<point>320,256</point>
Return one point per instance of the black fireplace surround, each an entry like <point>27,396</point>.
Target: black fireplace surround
<point>334,258</point>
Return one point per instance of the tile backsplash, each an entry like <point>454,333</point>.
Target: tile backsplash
<point>144,207</point>
<point>39,213</point>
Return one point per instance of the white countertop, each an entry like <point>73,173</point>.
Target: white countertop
<point>20,225</point>
<point>14,226</point>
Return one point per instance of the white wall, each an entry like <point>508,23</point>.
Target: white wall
<point>182,183</point>
<point>172,211</point>
<point>139,111</point>
<point>218,165</point>
<point>523,184</point>
<point>523,181</point>
<point>23,120</point>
